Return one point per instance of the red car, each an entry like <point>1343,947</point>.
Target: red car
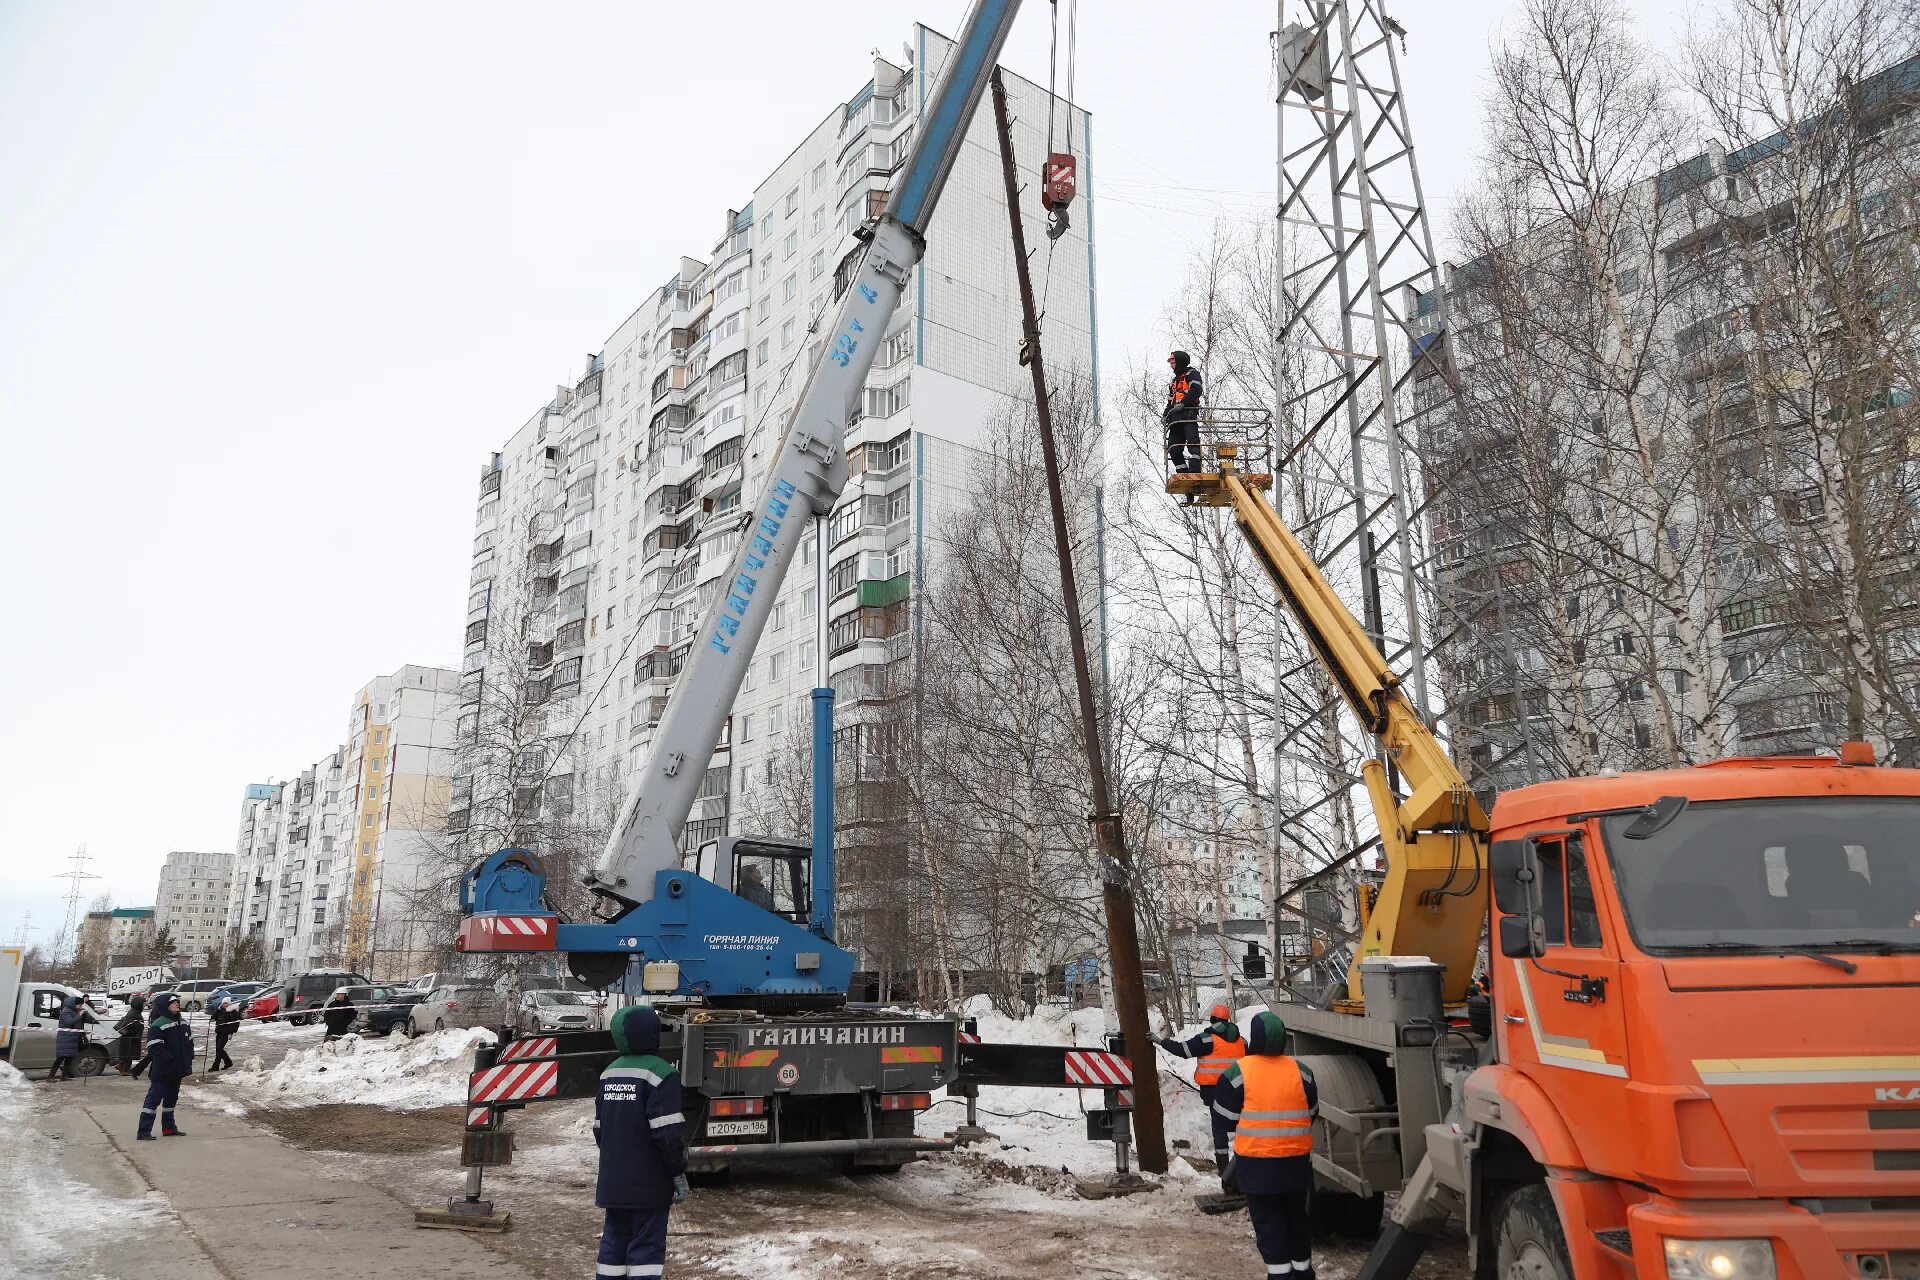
<point>265,1005</point>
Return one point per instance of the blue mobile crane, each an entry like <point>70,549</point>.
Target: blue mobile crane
<point>755,1001</point>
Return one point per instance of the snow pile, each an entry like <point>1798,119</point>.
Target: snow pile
<point>405,1075</point>
<point>1047,1128</point>
<point>10,1078</point>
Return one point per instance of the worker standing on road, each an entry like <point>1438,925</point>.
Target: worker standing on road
<point>74,1017</point>
<point>1271,1099</point>
<point>1218,1046</point>
<point>226,1021</point>
<point>1182,414</point>
<point>643,1151</point>
<point>170,1051</point>
<point>133,1033</point>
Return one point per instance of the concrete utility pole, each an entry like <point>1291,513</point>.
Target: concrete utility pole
<point>1123,937</point>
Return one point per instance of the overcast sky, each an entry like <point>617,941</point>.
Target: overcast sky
<point>274,280</point>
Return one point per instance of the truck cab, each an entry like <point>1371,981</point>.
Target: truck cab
<point>28,1040</point>
<point>1706,999</point>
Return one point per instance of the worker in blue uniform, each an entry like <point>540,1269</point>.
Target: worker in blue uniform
<point>1217,1047</point>
<point>1270,1098</point>
<point>643,1150</point>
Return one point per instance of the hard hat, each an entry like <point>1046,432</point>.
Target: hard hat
<point>1220,1013</point>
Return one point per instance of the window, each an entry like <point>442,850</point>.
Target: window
<point>884,402</point>
<point>819,221</point>
<point>790,288</point>
<point>763,352</point>
<point>806,656</point>
<point>818,267</point>
<point>779,620</point>
<point>776,719</point>
<point>733,286</point>
<point>379,735</point>
<point>776,666</point>
<point>793,202</point>
<point>793,244</point>
<point>786,335</point>
<point>745,731</point>
<point>819,176</point>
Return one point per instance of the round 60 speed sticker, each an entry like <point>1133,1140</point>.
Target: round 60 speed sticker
<point>788,1073</point>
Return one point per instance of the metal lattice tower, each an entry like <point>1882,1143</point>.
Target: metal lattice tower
<point>1355,259</point>
<point>78,875</point>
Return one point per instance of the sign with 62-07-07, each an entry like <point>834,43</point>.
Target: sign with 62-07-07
<point>127,981</point>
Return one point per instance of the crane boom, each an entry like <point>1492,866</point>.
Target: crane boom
<point>1434,841</point>
<point>809,471</point>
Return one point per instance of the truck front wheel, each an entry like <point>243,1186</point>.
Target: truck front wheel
<point>1529,1243</point>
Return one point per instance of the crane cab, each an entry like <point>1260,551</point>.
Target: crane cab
<point>774,875</point>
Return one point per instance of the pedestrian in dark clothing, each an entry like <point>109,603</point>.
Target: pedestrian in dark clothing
<point>170,1049</point>
<point>643,1151</point>
<point>132,1030</point>
<point>339,1014</point>
<point>1271,1099</point>
<point>74,1016</point>
<point>226,1021</point>
<point>1182,414</point>
<point>1217,1047</point>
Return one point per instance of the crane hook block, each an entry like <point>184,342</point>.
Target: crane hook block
<point>1057,181</point>
<point>502,900</point>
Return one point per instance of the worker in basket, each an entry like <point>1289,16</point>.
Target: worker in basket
<point>1217,1046</point>
<point>1270,1099</point>
<point>1182,414</point>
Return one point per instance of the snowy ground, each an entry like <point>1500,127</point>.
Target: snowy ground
<point>41,1203</point>
<point>387,1111</point>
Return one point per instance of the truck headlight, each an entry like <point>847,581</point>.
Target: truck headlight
<point>1719,1259</point>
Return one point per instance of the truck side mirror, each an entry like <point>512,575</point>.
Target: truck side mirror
<point>1523,931</point>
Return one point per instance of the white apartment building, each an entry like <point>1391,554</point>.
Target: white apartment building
<point>312,855</point>
<point>605,522</point>
<point>191,902</point>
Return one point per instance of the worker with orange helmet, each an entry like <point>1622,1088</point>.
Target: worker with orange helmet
<point>1217,1047</point>
<point>1270,1099</point>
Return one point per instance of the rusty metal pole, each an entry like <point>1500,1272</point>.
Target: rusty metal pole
<point>1123,937</point>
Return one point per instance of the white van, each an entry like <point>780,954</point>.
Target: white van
<point>33,1019</point>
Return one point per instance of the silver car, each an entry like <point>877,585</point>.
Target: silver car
<point>557,1011</point>
<point>461,1005</point>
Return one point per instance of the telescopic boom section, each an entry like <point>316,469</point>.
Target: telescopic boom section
<point>809,471</point>
<point>1434,841</point>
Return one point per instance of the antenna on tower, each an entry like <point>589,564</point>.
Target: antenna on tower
<point>78,875</point>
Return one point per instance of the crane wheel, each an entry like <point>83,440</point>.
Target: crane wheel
<point>1529,1243</point>
<point>1345,1081</point>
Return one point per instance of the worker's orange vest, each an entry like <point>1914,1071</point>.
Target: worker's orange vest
<point>1274,1119</point>
<point>1222,1055</point>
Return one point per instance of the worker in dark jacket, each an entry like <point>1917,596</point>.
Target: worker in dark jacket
<point>1271,1100</point>
<point>339,1014</point>
<point>1182,414</point>
<point>170,1049</point>
<point>132,1030</point>
<point>643,1150</point>
<point>226,1021</point>
<point>1218,1046</point>
<point>74,1017</point>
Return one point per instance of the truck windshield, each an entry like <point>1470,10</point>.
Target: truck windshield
<point>1807,873</point>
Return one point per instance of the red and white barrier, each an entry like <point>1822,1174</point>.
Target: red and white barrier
<point>513,1082</point>
<point>534,1047</point>
<point>1097,1068</point>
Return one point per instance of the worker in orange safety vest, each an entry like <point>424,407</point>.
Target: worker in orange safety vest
<point>1217,1047</point>
<point>1270,1099</point>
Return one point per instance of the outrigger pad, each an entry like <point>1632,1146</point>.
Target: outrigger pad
<point>1220,1202</point>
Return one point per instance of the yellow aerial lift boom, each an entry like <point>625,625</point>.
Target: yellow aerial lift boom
<point>1434,841</point>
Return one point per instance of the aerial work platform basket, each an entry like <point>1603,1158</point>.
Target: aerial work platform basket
<point>1230,441</point>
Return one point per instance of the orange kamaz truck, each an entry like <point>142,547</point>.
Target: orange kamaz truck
<point>1699,1057</point>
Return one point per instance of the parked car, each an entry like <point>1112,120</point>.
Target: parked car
<point>464,1005</point>
<point>242,992</point>
<point>193,995</point>
<point>557,1011</point>
<point>381,1008</point>
<point>265,1003</point>
<point>306,992</point>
